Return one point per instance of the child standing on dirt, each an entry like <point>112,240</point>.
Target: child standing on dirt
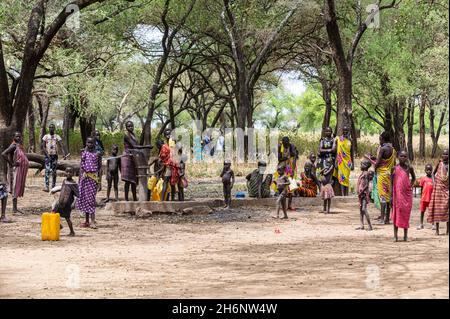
<point>426,183</point>
<point>364,193</point>
<point>227,176</point>
<point>327,192</point>
<point>69,190</point>
<point>3,200</point>
<point>112,173</point>
<point>182,181</point>
<point>283,191</point>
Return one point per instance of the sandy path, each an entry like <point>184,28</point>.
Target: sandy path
<point>224,255</point>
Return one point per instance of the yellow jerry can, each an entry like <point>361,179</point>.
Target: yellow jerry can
<point>50,226</point>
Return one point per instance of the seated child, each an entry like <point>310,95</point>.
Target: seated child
<point>69,190</point>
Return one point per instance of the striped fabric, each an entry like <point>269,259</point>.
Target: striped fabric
<point>438,209</point>
<point>308,188</point>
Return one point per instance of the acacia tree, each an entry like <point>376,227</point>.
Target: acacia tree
<point>15,94</point>
<point>344,60</point>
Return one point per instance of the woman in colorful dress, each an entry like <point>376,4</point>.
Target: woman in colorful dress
<point>438,209</point>
<point>15,156</point>
<point>87,185</point>
<point>383,164</point>
<point>327,147</point>
<point>402,194</point>
<point>344,160</point>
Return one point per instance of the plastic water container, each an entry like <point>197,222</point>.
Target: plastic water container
<point>50,226</point>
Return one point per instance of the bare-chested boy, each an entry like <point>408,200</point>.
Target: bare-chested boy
<point>227,176</point>
<point>112,173</point>
<point>283,190</point>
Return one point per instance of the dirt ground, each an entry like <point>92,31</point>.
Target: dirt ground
<point>227,254</point>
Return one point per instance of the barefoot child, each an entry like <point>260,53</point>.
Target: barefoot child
<point>283,191</point>
<point>182,181</point>
<point>426,183</point>
<point>438,209</point>
<point>3,200</point>
<point>327,192</point>
<point>69,190</point>
<point>227,181</point>
<point>402,194</point>
<point>87,185</point>
<point>364,193</point>
<point>112,173</point>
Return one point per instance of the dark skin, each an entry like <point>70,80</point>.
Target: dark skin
<point>287,144</point>
<point>347,135</point>
<point>4,201</point>
<point>132,141</point>
<point>429,173</point>
<point>227,176</point>
<point>309,172</point>
<point>69,178</point>
<point>327,176</point>
<point>180,184</point>
<point>384,152</point>
<point>52,129</point>
<point>281,203</point>
<point>365,165</point>
<point>327,132</point>
<point>8,156</point>
<point>166,184</point>
<point>113,167</point>
<point>90,148</point>
<point>261,169</point>
<point>158,167</point>
<point>444,160</point>
<point>403,162</point>
<point>96,136</point>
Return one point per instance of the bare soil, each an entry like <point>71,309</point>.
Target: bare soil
<point>240,253</point>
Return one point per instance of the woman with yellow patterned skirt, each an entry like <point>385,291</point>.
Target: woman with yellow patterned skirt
<point>344,160</point>
<point>383,164</point>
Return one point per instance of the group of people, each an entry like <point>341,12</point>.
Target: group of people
<point>168,167</point>
<point>389,185</point>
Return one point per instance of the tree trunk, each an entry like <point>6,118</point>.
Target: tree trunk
<point>87,126</point>
<point>44,108</point>
<point>399,120</point>
<point>31,129</point>
<point>410,119</point>
<point>433,133</point>
<point>422,125</point>
<point>70,117</point>
<point>326,93</point>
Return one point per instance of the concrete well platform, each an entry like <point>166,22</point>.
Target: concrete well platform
<point>200,204</point>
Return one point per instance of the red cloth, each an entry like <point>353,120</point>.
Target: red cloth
<point>19,173</point>
<point>423,206</point>
<point>165,154</point>
<point>438,210</point>
<point>427,188</point>
<point>401,198</point>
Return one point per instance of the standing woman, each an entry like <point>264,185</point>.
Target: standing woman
<point>100,149</point>
<point>344,159</point>
<point>18,168</point>
<point>438,209</point>
<point>383,164</point>
<point>327,147</point>
<point>128,169</point>
<point>88,182</point>
<point>402,197</point>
